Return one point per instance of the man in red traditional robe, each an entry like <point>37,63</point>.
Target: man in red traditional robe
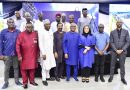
<point>27,50</point>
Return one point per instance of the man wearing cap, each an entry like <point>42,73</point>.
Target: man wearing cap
<point>46,50</point>
<point>54,24</point>
<point>63,20</point>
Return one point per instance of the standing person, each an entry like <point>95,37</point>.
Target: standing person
<point>86,53</point>
<point>8,52</point>
<point>70,46</point>
<point>64,22</point>
<point>119,41</point>
<point>54,23</point>
<point>102,44</point>
<point>71,20</point>
<point>85,20</point>
<point>39,23</point>
<point>28,19</point>
<point>46,50</point>
<point>58,51</point>
<point>27,50</point>
<point>18,19</point>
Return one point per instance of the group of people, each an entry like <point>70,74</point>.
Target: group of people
<point>59,42</point>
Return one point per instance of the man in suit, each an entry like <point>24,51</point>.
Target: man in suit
<point>119,41</point>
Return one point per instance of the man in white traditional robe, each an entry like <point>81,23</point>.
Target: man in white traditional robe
<point>46,50</point>
<point>39,24</point>
<point>28,18</point>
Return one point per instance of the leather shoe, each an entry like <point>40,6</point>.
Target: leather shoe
<point>25,86</point>
<point>57,79</point>
<point>110,79</point>
<point>45,83</point>
<point>5,85</point>
<point>50,79</point>
<point>62,77</point>
<point>34,84</point>
<point>102,79</point>
<point>96,79</point>
<point>124,81</point>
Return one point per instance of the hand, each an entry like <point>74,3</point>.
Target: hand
<point>56,55</point>
<point>119,51</point>
<point>44,57</point>
<point>85,51</point>
<point>101,53</point>
<point>20,59</point>
<point>66,56</point>
<point>88,48</point>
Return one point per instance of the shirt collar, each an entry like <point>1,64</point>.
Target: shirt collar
<point>100,33</point>
<point>9,30</point>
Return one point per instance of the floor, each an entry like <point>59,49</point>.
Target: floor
<point>72,84</point>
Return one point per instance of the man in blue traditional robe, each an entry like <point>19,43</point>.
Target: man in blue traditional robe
<point>70,46</point>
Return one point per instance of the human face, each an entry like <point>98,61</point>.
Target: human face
<point>73,27</point>
<point>84,12</point>
<point>28,18</point>
<point>63,18</point>
<point>10,23</point>
<point>58,18</point>
<point>60,27</point>
<point>29,27</point>
<point>86,29</point>
<point>17,14</point>
<point>40,16</point>
<point>71,19</point>
<point>47,26</point>
<point>101,28</point>
<point>119,24</point>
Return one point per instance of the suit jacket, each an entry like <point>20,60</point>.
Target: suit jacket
<point>119,43</point>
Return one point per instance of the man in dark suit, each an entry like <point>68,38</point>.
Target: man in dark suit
<point>119,41</point>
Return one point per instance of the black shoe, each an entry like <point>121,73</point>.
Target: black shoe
<point>57,79</point>
<point>25,86</point>
<point>45,83</point>
<point>34,84</point>
<point>124,81</point>
<point>51,79</point>
<point>62,77</point>
<point>96,79</point>
<point>87,80</point>
<point>110,79</point>
<point>18,83</point>
<point>5,85</point>
<point>102,79</point>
